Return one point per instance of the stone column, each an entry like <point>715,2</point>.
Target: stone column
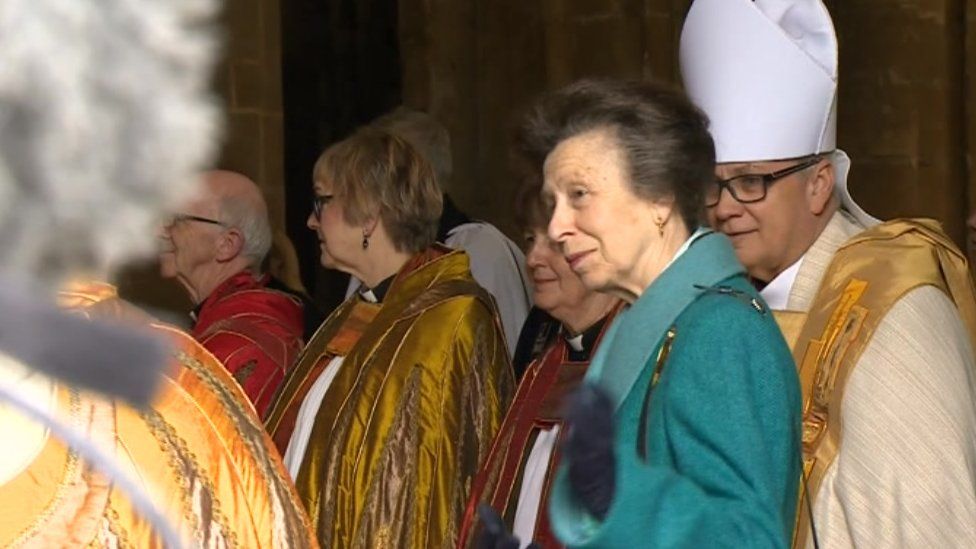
<point>901,107</point>
<point>248,80</point>
<point>969,102</point>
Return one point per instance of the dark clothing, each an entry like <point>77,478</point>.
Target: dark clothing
<point>538,332</point>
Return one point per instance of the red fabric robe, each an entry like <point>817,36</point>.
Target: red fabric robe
<point>255,331</point>
<point>537,405</point>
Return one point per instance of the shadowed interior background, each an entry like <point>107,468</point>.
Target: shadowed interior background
<point>298,75</point>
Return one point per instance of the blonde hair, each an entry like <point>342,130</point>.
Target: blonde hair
<point>252,220</point>
<point>377,174</point>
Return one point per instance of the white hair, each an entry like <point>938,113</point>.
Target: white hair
<point>105,119</point>
<point>254,225</point>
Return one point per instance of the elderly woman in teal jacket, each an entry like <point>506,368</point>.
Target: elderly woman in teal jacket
<point>688,431</point>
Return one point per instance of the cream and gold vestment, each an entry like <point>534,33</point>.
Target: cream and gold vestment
<point>199,451</point>
<point>421,383</point>
<point>881,323</point>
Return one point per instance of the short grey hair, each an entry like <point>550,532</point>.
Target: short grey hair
<point>254,225</point>
<point>424,133</point>
<point>662,136</point>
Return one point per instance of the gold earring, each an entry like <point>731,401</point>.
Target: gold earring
<point>660,227</point>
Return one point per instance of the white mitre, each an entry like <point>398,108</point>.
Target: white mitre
<point>765,73</point>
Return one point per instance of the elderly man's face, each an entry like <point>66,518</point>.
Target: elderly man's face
<point>772,234</point>
<point>188,245</point>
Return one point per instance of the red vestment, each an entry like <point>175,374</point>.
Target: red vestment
<point>254,331</point>
<point>538,405</point>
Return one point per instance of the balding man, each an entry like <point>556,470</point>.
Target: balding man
<point>214,247</point>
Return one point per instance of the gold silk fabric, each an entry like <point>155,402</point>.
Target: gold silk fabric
<point>866,276</point>
<point>410,414</point>
<point>199,450</point>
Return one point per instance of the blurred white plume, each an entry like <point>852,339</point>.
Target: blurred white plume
<point>105,120</point>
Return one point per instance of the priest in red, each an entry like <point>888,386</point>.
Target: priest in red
<point>215,247</point>
<point>516,476</point>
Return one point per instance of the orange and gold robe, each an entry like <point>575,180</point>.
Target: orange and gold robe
<point>199,451</point>
<point>410,413</point>
<point>537,407</point>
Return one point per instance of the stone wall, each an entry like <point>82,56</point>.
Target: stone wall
<point>902,107</point>
<point>906,112</point>
<point>248,80</point>
<point>904,115</point>
<point>476,64</point>
<point>969,115</point>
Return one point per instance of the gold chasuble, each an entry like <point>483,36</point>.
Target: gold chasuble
<point>411,412</point>
<point>199,451</point>
<point>866,276</point>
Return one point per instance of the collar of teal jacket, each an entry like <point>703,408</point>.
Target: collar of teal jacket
<point>638,330</point>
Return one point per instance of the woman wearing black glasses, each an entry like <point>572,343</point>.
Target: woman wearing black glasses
<point>396,398</point>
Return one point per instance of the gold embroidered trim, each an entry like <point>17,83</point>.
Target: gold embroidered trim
<point>112,523</point>
<point>71,470</point>
<point>251,432</point>
<point>186,469</point>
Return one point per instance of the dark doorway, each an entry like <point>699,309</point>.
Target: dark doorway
<point>340,69</point>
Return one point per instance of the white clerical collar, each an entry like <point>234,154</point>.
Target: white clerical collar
<point>777,292</point>
<point>576,342</point>
<point>368,295</point>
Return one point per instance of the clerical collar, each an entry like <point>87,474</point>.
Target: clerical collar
<point>378,292</point>
<point>575,342</point>
<point>581,345</point>
<point>777,292</point>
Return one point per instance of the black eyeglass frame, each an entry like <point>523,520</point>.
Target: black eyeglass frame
<point>176,218</point>
<point>767,180</point>
<point>318,203</point>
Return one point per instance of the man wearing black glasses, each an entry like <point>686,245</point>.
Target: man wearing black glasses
<point>770,235</point>
<point>215,247</point>
<point>880,316</point>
